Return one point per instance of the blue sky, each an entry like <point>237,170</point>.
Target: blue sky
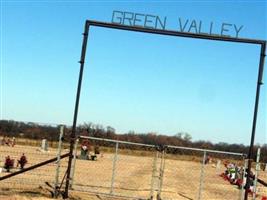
<point>133,81</point>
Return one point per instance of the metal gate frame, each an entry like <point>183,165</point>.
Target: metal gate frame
<point>89,23</point>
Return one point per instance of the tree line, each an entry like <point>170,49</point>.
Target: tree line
<point>11,128</point>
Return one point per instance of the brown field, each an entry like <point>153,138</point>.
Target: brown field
<point>132,178</point>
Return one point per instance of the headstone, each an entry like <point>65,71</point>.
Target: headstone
<point>218,165</point>
<point>265,167</point>
<point>84,152</point>
<point>44,146</point>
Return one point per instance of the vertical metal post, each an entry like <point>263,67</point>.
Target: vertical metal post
<point>61,133</point>
<point>163,170</point>
<point>162,167</point>
<point>201,181</point>
<point>243,179</point>
<point>73,163</point>
<point>73,132</point>
<point>160,170</point>
<point>154,169</point>
<point>254,123</point>
<point>256,173</point>
<point>114,168</point>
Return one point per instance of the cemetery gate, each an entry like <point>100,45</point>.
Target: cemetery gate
<point>88,23</point>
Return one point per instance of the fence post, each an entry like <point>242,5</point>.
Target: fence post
<point>114,168</point>
<point>201,181</point>
<point>256,173</point>
<point>73,163</point>
<point>58,160</point>
<point>243,180</point>
<point>154,169</point>
<point>161,173</point>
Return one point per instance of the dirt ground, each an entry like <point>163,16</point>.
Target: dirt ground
<point>132,178</point>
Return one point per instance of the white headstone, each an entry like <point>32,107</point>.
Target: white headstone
<point>218,165</point>
<point>44,146</point>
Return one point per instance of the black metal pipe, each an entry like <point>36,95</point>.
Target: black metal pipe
<point>73,132</point>
<point>262,182</point>
<point>173,33</point>
<point>33,167</point>
<point>250,153</point>
<point>170,33</point>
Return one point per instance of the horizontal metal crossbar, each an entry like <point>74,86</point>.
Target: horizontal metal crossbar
<point>173,33</point>
<point>167,146</point>
<point>117,141</point>
<point>206,150</point>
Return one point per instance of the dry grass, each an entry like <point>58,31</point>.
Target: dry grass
<point>132,178</point>
<point>42,194</point>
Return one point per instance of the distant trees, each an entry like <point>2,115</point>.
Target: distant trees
<point>12,128</point>
<point>184,136</point>
<point>96,130</point>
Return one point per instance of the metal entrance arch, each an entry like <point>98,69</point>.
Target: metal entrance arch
<point>89,23</point>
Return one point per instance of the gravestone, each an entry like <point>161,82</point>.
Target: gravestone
<point>84,153</point>
<point>218,165</point>
<point>44,146</point>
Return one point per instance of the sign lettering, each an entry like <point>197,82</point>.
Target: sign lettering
<point>187,25</point>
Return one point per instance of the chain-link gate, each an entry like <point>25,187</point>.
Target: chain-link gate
<point>115,168</point>
<point>191,173</point>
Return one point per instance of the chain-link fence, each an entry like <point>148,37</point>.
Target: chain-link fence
<point>17,154</point>
<point>191,173</point>
<point>114,167</point>
<point>260,183</point>
<point>135,170</point>
<point>143,171</point>
<point>258,179</point>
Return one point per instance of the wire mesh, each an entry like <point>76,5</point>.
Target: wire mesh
<point>41,176</point>
<point>119,169</point>
<point>94,175</point>
<point>258,189</point>
<point>223,176</point>
<point>134,171</point>
<point>140,171</point>
<point>197,174</point>
<point>181,174</point>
